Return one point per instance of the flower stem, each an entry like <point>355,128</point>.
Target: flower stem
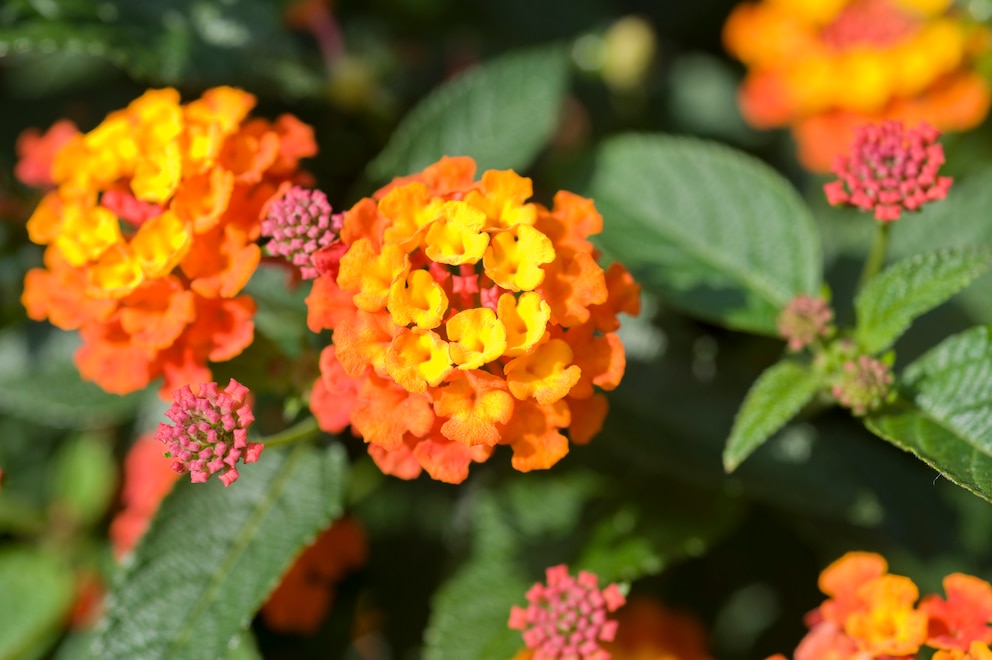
<point>876,258</point>
<point>299,432</point>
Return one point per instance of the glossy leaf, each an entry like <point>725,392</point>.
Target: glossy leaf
<point>501,114</point>
<point>212,555</point>
<point>36,590</point>
<point>948,422</point>
<point>711,230</point>
<point>890,302</point>
<point>775,398</point>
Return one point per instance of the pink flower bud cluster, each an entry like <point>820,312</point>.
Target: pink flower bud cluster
<point>299,223</point>
<point>804,320</point>
<point>567,618</point>
<point>210,433</point>
<point>863,385</point>
<point>890,169</point>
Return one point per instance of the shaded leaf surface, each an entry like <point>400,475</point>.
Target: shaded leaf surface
<point>470,613</point>
<point>949,423</point>
<point>711,230</point>
<point>44,386</point>
<point>775,398</point>
<point>212,555</point>
<point>501,114</point>
<point>890,302</point>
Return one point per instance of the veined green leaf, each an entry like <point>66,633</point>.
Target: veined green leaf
<point>501,114</point>
<point>711,230</point>
<point>212,555</point>
<point>949,422</point>
<point>889,303</point>
<point>775,398</point>
<point>469,613</point>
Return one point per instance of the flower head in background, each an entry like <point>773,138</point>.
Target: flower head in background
<point>298,224</point>
<point>824,67</point>
<point>151,231</point>
<point>464,317</point>
<point>210,434</point>
<point>568,617</point>
<point>890,169</point>
<point>649,630</point>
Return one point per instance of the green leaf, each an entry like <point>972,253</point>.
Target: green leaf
<point>889,303</point>
<point>949,423</point>
<point>470,613</point>
<point>775,398</point>
<point>939,447</point>
<point>37,591</point>
<point>282,312</point>
<point>85,478</point>
<point>501,114</point>
<point>711,230</point>
<point>212,555</point>
<point>45,387</point>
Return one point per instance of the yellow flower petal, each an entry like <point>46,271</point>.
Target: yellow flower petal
<point>525,320</point>
<point>514,257</point>
<point>476,337</point>
<point>161,243</point>
<point>456,236</point>
<point>418,299</point>
<point>418,358</point>
<point>543,374</point>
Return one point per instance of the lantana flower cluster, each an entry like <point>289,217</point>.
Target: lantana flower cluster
<point>568,617</point>
<point>823,67</point>
<point>464,317</point>
<point>210,432</point>
<point>871,613</point>
<point>151,231</point>
<point>889,169</point>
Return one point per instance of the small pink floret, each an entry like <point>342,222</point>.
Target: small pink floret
<point>567,617</point>
<point>207,438</point>
<point>890,169</point>
<point>300,224</point>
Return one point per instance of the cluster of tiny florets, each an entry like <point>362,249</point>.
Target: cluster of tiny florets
<point>804,320</point>
<point>210,433</point>
<point>863,385</point>
<point>889,169</point>
<point>567,618</point>
<point>299,223</point>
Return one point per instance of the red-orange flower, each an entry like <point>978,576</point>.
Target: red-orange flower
<point>823,67</point>
<point>466,316</point>
<point>964,617</point>
<point>151,233</point>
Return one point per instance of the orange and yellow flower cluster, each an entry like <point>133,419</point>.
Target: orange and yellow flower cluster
<point>871,613</point>
<point>151,234</point>
<point>465,317</point>
<point>826,66</point>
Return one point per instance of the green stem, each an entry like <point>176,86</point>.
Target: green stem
<point>301,431</point>
<point>876,258</point>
